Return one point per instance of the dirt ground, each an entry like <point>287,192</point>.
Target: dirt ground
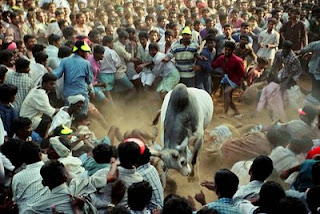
<point>139,113</point>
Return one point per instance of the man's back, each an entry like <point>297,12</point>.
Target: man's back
<point>27,186</point>
<point>224,206</point>
<point>77,75</point>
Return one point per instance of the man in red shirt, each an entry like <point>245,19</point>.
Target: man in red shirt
<point>233,68</point>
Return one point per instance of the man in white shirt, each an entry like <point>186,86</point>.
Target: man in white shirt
<point>268,42</point>
<point>109,64</point>
<point>52,50</point>
<point>38,69</point>
<point>36,105</point>
<point>27,185</point>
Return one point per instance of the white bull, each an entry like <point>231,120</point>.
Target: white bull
<point>185,113</point>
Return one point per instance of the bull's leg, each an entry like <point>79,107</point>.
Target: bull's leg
<point>194,175</point>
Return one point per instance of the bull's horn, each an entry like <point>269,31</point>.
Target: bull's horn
<point>183,145</point>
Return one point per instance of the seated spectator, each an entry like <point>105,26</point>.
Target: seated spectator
<point>313,199</point>
<point>150,174</point>
<point>22,128</point>
<point>176,204</point>
<point>54,176</point>
<point>269,197</point>
<point>27,185</point>
<point>260,170</point>
<point>225,185</point>
<point>8,113</point>
<point>37,107</point>
<point>21,80</point>
<point>291,205</point>
<point>98,159</point>
<point>139,196</point>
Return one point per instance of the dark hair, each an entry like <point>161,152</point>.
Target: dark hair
<point>273,20</point>
<point>176,204</point>
<point>145,157</point>
<point>296,10</point>
<point>93,33</point>
<point>315,172</point>
<point>223,16</point>
<point>278,136</point>
<point>11,149</point>
<point>262,60</point>
<point>21,123</point>
<point>139,195</point>
<point>143,34</point>
<point>7,91</point>
<point>48,77</point>
<point>244,36</point>
<point>53,38</point>
<point>208,20</point>
<point>270,194</point>
<point>313,201</point>
<point>37,48</point>
<point>154,46</point>
<point>30,152</point>
<point>68,31</point>
<point>27,37</point>
<point>230,44</point>
<point>102,153</point>
<point>5,55</point>
<point>40,57</point>
<point>123,34</point>
<point>129,153</point>
<point>53,173</point>
<point>205,210</point>
<point>261,168</point>
<point>226,183</point>
<point>98,49</point>
<point>118,210</point>
<point>168,33</point>
<point>3,71</point>
<point>80,118</point>
<point>291,205</point>
<point>226,26</point>
<point>21,63</point>
<point>106,40</point>
<point>64,51</point>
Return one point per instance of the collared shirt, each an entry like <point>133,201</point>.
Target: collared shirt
<point>84,31</point>
<point>224,206</point>
<point>296,34</point>
<point>24,84</point>
<point>110,62</point>
<point>53,60</point>
<point>234,68</point>
<point>143,53</point>
<point>314,63</point>
<point>60,195</point>
<point>249,191</point>
<point>184,58</point>
<point>27,186</point>
<point>27,29</point>
<point>35,105</point>
<point>150,174</point>
<point>286,65</point>
<point>77,75</point>
<point>162,68</point>
<point>265,38</point>
<point>36,73</point>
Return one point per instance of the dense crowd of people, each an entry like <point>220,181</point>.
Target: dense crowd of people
<point>62,63</point>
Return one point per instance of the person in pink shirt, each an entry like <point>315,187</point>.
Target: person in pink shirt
<point>235,20</point>
<point>98,88</point>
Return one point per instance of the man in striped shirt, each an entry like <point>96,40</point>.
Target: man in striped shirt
<point>185,54</point>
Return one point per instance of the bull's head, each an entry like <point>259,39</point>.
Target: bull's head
<point>177,158</point>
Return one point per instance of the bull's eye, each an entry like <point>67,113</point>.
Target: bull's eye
<point>183,162</point>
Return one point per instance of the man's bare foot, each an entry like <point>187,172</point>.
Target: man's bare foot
<point>224,116</point>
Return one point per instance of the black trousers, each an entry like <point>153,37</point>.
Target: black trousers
<point>43,125</point>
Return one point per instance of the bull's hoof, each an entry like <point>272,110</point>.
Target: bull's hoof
<point>192,179</point>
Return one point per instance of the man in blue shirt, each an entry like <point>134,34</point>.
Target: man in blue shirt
<point>77,73</point>
<point>225,186</point>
